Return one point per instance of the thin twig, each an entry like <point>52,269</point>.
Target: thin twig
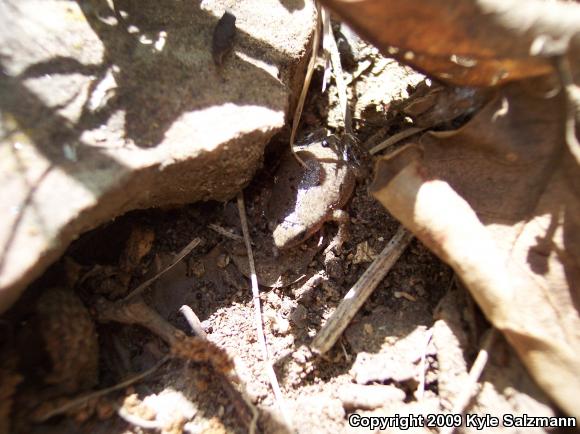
<point>362,67</point>
<point>225,232</point>
<point>258,313</point>
<point>137,312</point>
<point>182,254</point>
<point>242,405</point>
<point>475,372</point>
<point>363,288</point>
<point>135,420</point>
<point>306,85</point>
<point>193,321</point>
<point>195,324</point>
<point>253,278</point>
<point>325,51</point>
<point>329,43</point>
<point>83,399</point>
<point>395,138</point>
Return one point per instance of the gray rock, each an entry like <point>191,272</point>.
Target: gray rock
<point>104,111</point>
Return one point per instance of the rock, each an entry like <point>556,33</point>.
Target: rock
<point>106,111</point>
<point>371,397</point>
<point>398,360</point>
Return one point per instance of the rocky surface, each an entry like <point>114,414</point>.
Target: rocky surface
<point>108,110</point>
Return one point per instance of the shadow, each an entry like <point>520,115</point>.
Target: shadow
<point>539,254</point>
<point>510,163</point>
<point>164,68</point>
<point>154,87</point>
<point>156,67</point>
<point>27,203</point>
<point>213,397</point>
<point>381,321</point>
<point>571,254</point>
<point>292,5</point>
<point>506,374</point>
<point>50,132</point>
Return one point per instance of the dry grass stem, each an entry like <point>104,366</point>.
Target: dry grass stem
<point>97,394</point>
<point>182,254</point>
<point>225,232</point>
<point>306,85</point>
<point>474,373</point>
<point>394,139</point>
<point>258,312</point>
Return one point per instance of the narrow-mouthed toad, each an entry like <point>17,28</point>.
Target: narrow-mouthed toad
<point>294,205</point>
<point>304,198</point>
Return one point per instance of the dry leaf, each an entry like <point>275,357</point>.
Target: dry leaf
<point>467,42</point>
<point>499,200</point>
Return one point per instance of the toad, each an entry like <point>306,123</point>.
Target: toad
<point>304,198</point>
<point>295,205</point>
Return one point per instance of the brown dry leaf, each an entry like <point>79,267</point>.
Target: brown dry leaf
<point>499,200</point>
<point>467,42</point>
<point>439,106</point>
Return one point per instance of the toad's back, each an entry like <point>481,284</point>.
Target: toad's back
<point>304,198</point>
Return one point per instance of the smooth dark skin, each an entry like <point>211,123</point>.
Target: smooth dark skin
<point>304,199</point>
<point>223,37</point>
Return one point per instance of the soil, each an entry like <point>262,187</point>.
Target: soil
<point>407,351</point>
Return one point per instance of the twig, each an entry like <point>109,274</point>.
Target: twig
<point>137,421</point>
<point>329,43</point>
<point>182,254</point>
<point>421,387</point>
<point>395,138</point>
<point>136,311</point>
<point>362,67</point>
<point>193,321</point>
<point>195,324</point>
<point>253,277</point>
<point>225,232</point>
<point>355,298</point>
<point>243,404</point>
<point>258,313</point>
<point>325,49</point>
<point>83,399</point>
<point>474,374</point>
<point>306,85</point>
